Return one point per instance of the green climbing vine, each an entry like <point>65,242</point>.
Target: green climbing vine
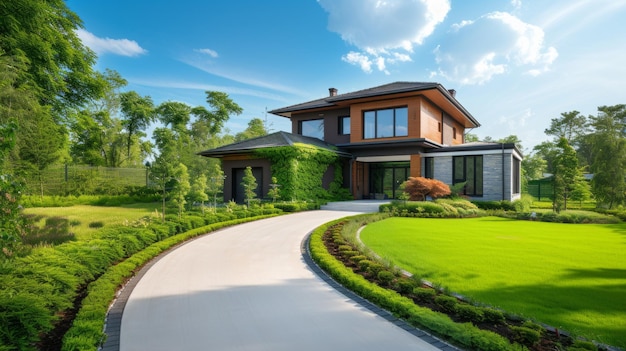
<point>300,168</point>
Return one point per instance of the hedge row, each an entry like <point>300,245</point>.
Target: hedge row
<point>441,208</point>
<point>464,334</point>
<point>37,289</point>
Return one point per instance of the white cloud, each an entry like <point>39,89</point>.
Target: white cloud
<point>476,51</point>
<point>122,47</point>
<point>517,4</point>
<point>382,28</point>
<point>209,52</point>
<point>359,59</point>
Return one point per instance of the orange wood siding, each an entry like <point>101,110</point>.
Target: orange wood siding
<point>415,169</point>
<point>449,128</point>
<point>356,120</point>
<point>431,121</point>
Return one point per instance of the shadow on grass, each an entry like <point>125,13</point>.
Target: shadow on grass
<point>601,273</point>
<point>595,312</point>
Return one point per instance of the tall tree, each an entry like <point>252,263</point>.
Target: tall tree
<point>571,125</point>
<point>609,150</point>
<point>249,185</point>
<point>256,128</point>
<point>138,113</point>
<point>43,34</point>
<point>180,188</point>
<point>566,174</point>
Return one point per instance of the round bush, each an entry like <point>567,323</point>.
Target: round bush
<point>424,294</point>
<point>385,277</point>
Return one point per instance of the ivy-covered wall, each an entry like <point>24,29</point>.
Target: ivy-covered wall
<point>300,168</point>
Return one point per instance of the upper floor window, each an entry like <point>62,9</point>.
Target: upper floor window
<point>344,125</point>
<point>312,128</point>
<point>386,123</point>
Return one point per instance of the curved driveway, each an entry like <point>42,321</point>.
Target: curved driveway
<point>248,288</point>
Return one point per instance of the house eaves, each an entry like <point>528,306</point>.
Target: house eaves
<point>380,91</point>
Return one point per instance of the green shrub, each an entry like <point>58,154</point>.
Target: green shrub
<point>348,254</point>
<point>424,294</point>
<point>364,265</point>
<point>580,345</point>
<point>469,313</point>
<point>495,205</point>
<point>385,277</point>
<point>525,335</point>
<point>96,224</point>
<point>374,269</point>
<point>358,258</point>
<point>492,315</point>
<point>56,230</point>
<point>23,317</point>
<point>447,303</point>
<point>405,286</point>
<point>346,247</point>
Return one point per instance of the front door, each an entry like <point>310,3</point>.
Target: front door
<point>386,178</point>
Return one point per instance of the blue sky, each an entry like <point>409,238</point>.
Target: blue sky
<point>515,64</point>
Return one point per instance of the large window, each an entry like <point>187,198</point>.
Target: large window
<point>516,176</point>
<point>386,123</point>
<point>344,125</point>
<point>469,169</point>
<point>429,167</point>
<point>312,128</point>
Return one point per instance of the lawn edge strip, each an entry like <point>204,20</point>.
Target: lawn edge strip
<point>462,334</point>
<point>98,321</point>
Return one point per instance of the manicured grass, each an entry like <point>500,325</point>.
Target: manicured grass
<point>566,275</point>
<point>81,216</point>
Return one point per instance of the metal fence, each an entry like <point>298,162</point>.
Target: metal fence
<point>86,180</point>
<point>541,189</point>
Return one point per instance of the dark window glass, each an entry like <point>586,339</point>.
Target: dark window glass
<point>386,123</point>
<point>469,169</point>
<point>402,121</point>
<point>344,125</point>
<point>312,128</point>
<point>429,167</point>
<point>369,125</point>
<point>516,176</point>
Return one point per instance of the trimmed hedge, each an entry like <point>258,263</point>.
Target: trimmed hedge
<point>463,334</point>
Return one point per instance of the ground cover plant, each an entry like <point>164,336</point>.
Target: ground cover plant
<point>568,276</point>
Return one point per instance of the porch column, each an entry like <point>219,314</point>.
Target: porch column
<point>416,166</point>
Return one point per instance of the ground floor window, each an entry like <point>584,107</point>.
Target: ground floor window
<point>516,176</point>
<point>429,167</point>
<point>386,178</point>
<point>469,170</point>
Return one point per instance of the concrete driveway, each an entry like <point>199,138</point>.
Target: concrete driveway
<point>248,288</point>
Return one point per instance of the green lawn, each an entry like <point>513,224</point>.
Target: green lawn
<point>571,276</point>
<point>80,216</point>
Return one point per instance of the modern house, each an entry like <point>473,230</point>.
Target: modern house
<point>381,136</point>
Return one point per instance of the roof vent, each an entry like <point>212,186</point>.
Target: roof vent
<point>452,92</point>
<point>332,91</point>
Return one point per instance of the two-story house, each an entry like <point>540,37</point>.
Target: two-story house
<point>386,134</point>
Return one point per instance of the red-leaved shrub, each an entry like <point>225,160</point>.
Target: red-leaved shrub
<point>419,187</point>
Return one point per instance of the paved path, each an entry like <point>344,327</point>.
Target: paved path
<point>248,288</point>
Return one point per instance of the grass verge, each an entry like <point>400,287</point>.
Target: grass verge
<point>569,276</point>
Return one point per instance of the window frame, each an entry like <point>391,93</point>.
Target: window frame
<point>429,167</point>
<point>473,164</point>
<point>341,127</point>
<point>367,115</point>
<point>301,129</point>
